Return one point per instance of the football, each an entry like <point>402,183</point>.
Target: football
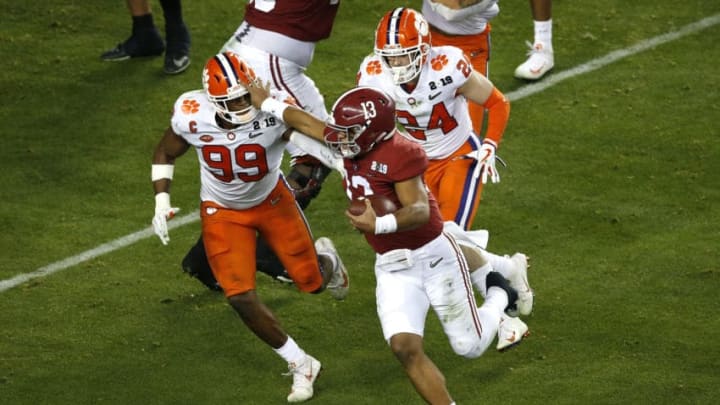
<point>381,204</point>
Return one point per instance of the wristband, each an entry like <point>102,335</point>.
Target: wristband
<point>385,224</point>
<point>162,172</point>
<point>274,107</point>
<point>162,200</point>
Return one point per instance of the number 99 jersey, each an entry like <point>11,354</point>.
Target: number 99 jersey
<point>239,167</point>
<point>432,113</point>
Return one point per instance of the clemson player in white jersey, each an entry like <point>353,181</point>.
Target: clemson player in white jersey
<point>431,86</point>
<point>418,264</point>
<point>277,39</point>
<point>243,193</point>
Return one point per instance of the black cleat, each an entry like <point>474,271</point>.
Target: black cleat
<point>176,63</point>
<point>150,44</point>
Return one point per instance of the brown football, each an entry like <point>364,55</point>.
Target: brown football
<point>381,204</point>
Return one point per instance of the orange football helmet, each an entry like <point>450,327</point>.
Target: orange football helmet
<point>225,78</point>
<point>403,32</point>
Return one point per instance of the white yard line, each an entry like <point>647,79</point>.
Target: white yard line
<point>518,94</point>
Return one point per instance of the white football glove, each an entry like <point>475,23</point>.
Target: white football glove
<point>485,168</point>
<point>163,212</point>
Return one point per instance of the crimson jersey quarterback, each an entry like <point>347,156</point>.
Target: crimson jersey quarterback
<point>376,172</point>
<point>431,112</point>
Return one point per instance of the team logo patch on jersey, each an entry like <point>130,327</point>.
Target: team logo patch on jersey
<point>438,62</point>
<point>379,167</point>
<point>190,106</point>
<point>374,68</point>
<point>230,136</point>
<point>206,138</point>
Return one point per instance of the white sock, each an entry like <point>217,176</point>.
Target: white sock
<point>478,278</point>
<point>501,264</point>
<point>496,299</point>
<point>543,33</point>
<point>291,352</point>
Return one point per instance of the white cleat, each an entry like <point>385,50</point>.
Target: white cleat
<point>339,283</point>
<point>304,375</point>
<point>539,62</point>
<point>520,283</point>
<point>510,332</point>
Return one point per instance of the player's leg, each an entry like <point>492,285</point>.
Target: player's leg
<point>402,307</point>
<point>145,39</point>
<point>230,244</point>
<point>177,35</point>
<point>541,56</point>
<point>454,185</point>
<point>427,379</point>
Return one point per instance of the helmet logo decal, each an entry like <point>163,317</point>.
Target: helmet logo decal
<point>369,109</point>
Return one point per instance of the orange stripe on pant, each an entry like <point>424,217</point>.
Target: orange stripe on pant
<point>477,48</point>
<point>230,238</point>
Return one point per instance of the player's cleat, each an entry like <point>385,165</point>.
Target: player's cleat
<point>177,57</point>
<point>150,44</point>
<point>510,332</point>
<point>304,375</point>
<point>539,62</point>
<point>340,281</point>
<point>495,279</point>
<point>176,63</point>
<point>520,283</point>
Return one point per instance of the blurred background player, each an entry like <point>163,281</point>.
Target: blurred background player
<point>418,265</point>
<point>145,39</point>
<point>465,25</point>
<point>243,193</point>
<point>277,38</point>
<point>541,58</point>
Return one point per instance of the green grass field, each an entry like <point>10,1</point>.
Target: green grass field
<point>612,188</point>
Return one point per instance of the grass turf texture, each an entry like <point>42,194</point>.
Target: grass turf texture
<point>611,189</point>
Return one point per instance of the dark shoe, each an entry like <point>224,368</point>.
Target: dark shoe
<point>495,279</point>
<point>177,57</point>
<point>150,44</point>
<point>176,63</point>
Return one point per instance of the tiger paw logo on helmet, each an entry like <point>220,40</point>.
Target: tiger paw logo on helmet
<point>190,106</point>
<point>438,62</point>
<point>374,68</point>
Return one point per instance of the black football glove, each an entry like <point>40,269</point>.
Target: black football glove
<point>306,177</point>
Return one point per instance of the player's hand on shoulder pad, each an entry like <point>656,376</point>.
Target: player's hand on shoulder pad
<point>163,212</point>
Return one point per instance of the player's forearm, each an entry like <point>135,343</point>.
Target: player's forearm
<point>498,108</point>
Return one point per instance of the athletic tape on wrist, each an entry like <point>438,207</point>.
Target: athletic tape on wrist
<point>162,200</point>
<point>274,107</point>
<point>385,224</point>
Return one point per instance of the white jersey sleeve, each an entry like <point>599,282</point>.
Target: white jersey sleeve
<point>239,167</point>
<point>432,113</point>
